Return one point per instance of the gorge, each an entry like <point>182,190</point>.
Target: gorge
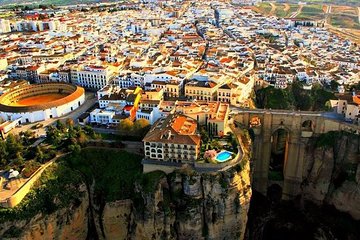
<point>190,205</point>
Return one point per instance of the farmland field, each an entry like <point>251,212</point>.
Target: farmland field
<point>344,10</point>
<point>314,11</point>
<point>264,7</point>
<point>345,21</point>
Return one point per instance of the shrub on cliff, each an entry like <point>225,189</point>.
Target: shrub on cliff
<point>57,187</point>
<point>114,171</point>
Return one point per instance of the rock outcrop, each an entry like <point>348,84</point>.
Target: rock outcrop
<point>332,173</point>
<point>65,223</point>
<point>182,205</point>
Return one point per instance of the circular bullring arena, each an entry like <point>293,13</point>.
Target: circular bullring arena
<point>38,102</point>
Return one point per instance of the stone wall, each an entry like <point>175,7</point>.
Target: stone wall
<point>16,198</point>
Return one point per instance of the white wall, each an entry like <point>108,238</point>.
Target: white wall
<point>42,115</point>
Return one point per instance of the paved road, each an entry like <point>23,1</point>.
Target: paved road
<point>90,100</point>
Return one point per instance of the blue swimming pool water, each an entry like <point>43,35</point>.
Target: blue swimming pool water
<point>223,156</point>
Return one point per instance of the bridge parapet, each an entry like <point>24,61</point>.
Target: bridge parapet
<point>301,126</point>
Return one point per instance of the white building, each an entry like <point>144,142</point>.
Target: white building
<point>102,116</point>
<point>43,111</point>
<point>95,77</point>
<point>5,26</point>
<point>129,80</point>
<point>149,110</point>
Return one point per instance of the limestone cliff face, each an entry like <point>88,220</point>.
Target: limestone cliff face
<point>66,223</point>
<point>183,206</point>
<point>332,174</point>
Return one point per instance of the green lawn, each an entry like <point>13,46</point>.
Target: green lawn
<point>345,21</point>
<point>114,171</point>
<point>310,15</point>
<point>315,8</point>
<point>293,8</point>
<point>313,11</point>
<point>280,10</point>
<point>264,7</point>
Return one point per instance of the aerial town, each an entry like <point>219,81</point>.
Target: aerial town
<point>174,82</point>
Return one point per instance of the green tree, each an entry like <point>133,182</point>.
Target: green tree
<point>75,149</point>
<point>215,144</point>
<point>39,154</point>
<point>53,135</point>
<point>273,98</point>
<point>82,139</point>
<point>204,135</point>
<point>13,146</point>
<point>89,131</point>
<point>302,98</point>
<point>141,123</point>
<point>69,122</point>
<point>19,160</point>
<point>3,153</point>
<point>126,125</point>
<point>334,85</point>
<point>60,126</point>
<point>321,97</point>
<point>26,136</point>
<point>141,126</point>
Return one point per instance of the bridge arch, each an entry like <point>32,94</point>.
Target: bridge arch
<point>281,127</point>
<point>300,126</point>
<point>279,141</point>
<point>307,124</point>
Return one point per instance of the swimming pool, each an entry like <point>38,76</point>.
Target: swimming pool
<point>223,156</point>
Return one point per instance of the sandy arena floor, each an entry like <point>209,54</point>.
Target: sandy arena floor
<point>40,99</point>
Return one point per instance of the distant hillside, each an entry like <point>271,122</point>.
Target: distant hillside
<point>337,2</point>
<point>49,2</point>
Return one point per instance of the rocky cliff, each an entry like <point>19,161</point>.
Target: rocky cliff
<point>181,205</point>
<point>66,223</point>
<point>332,171</point>
<point>329,195</point>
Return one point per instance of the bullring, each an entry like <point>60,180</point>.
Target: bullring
<point>38,102</point>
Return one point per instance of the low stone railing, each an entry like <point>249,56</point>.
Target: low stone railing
<point>18,196</point>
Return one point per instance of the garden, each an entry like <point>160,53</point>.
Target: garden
<point>215,149</point>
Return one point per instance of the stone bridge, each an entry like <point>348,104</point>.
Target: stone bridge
<point>299,127</point>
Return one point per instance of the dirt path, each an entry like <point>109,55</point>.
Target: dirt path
<point>328,14</point>
<point>359,13</point>
<point>298,11</point>
<point>273,8</point>
<point>286,7</point>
